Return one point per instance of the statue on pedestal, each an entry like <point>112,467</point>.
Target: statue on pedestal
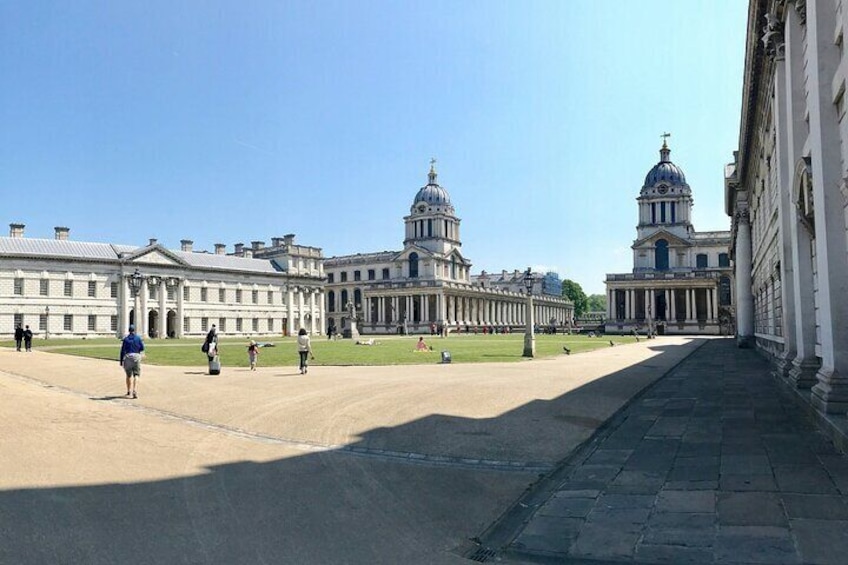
<point>351,312</point>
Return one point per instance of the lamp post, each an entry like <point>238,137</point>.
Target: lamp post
<point>529,337</point>
<point>135,281</point>
<point>47,322</point>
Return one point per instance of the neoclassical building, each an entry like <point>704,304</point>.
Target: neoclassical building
<point>787,192</point>
<point>429,281</point>
<point>65,288</point>
<point>681,279</point>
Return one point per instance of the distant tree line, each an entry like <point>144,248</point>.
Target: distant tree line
<point>582,303</point>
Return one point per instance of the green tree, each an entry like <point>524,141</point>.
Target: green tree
<point>574,292</point>
<point>596,303</point>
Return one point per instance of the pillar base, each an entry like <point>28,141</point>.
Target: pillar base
<point>745,341</point>
<point>802,373</point>
<point>830,395</point>
<point>529,346</point>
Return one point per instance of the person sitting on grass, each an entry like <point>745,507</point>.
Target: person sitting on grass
<point>421,346</point>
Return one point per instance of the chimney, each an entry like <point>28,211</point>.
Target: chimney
<point>517,274</point>
<point>186,245</point>
<point>257,245</point>
<point>61,233</point>
<point>503,274</point>
<point>288,239</point>
<point>220,249</point>
<point>16,230</point>
<point>276,241</point>
<point>153,241</point>
<point>247,254</point>
<point>238,249</point>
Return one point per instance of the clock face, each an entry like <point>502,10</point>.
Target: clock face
<point>422,208</point>
<point>662,189</point>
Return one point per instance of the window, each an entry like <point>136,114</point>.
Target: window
<point>653,212</point>
<point>724,291</point>
<point>429,228</point>
<point>204,295</point>
<point>357,297</point>
<point>186,325</point>
<point>254,297</point>
<point>44,287</point>
<point>113,290</point>
<point>19,320</point>
<point>385,274</point>
<point>113,323</point>
<point>413,265</point>
<point>701,261</point>
<point>152,291</point>
<point>186,293</point>
<point>69,288</point>
<point>222,324</point>
<point>662,212</point>
<point>330,278</point>
<point>344,300</point>
<point>723,260</point>
<point>661,255</point>
<point>270,325</point>
<point>172,293</point>
<point>255,325</point>
<point>92,289</point>
<point>204,323</point>
<point>92,322</point>
<point>270,297</point>
<point>222,295</point>
<point>673,213</point>
<point>69,323</point>
<point>331,301</point>
<point>238,295</point>
<point>344,276</point>
<point>357,275</point>
<point>19,287</point>
<point>371,275</point>
<point>238,324</point>
<point>42,322</point>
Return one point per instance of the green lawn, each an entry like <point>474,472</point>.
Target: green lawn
<point>389,350</point>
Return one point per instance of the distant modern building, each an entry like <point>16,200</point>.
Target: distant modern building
<point>681,279</point>
<point>429,281</point>
<point>65,288</point>
<point>787,192</point>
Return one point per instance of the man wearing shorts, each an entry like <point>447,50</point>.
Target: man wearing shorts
<point>130,360</point>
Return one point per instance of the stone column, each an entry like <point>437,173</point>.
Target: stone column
<point>290,310</point>
<point>709,299</point>
<point>313,318</point>
<point>628,304</point>
<point>744,298</point>
<point>163,310</point>
<point>322,320</point>
<point>180,308</point>
<point>672,306</point>
<point>125,297</point>
<point>141,315</point>
<point>830,394</point>
<point>688,304</point>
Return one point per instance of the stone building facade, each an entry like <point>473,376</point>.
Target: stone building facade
<point>681,279</point>
<point>787,192</point>
<point>428,282</point>
<point>65,288</point>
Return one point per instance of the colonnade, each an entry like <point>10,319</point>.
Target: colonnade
<point>681,304</point>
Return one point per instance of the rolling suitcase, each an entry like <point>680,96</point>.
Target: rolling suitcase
<point>214,366</point>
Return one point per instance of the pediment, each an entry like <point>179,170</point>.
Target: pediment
<point>651,240</point>
<point>154,255</point>
<point>410,249</point>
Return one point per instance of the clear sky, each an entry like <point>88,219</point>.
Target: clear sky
<point>227,122</point>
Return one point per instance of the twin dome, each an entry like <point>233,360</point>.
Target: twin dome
<point>665,172</point>
<point>432,193</point>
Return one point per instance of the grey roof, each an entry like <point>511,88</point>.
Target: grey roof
<point>90,251</point>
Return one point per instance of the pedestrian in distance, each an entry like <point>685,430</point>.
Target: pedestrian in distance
<point>304,348</point>
<point>28,339</point>
<point>19,336</point>
<point>131,350</point>
<point>252,354</point>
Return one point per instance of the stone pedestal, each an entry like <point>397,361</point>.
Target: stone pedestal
<point>830,395</point>
<point>803,373</point>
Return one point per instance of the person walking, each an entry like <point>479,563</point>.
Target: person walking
<point>130,360</point>
<point>28,339</point>
<point>252,354</point>
<point>19,336</point>
<point>304,348</point>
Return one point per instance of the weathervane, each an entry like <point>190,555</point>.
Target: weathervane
<point>665,136</point>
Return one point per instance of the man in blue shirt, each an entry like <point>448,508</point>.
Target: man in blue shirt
<point>131,349</point>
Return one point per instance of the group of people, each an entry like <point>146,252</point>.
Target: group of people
<point>23,335</point>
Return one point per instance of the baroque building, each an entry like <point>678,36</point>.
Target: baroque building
<point>65,288</point>
<point>787,192</point>
<point>681,279</point>
<point>428,282</point>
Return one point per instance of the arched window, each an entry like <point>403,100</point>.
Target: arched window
<point>331,301</point>
<point>724,291</point>
<point>357,297</point>
<point>701,261</point>
<point>453,268</point>
<point>344,300</point>
<point>413,265</point>
<point>661,255</point>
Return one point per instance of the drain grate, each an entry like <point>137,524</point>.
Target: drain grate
<point>482,555</point>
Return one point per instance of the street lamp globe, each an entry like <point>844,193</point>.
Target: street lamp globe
<point>529,337</point>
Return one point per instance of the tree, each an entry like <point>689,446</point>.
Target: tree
<point>574,292</point>
<point>596,303</point>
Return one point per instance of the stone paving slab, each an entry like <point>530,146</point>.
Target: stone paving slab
<point>728,472</point>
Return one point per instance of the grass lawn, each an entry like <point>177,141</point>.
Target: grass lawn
<point>389,350</point>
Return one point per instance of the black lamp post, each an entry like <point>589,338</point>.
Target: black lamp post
<point>47,322</point>
<point>529,337</point>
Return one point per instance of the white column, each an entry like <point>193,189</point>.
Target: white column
<point>290,310</point>
<point>744,298</point>
<point>312,314</point>
<point>163,310</point>
<point>141,315</point>
<point>709,297</point>
<point>672,306</point>
<point>125,296</point>
<point>322,320</point>
<point>180,308</point>
<point>689,305</point>
<point>714,301</point>
<point>628,304</point>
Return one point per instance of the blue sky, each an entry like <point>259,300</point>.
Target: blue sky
<point>227,122</point>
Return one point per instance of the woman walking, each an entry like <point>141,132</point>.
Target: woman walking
<point>252,354</point>
<point>304,347</point>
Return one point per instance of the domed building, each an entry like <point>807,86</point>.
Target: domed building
<point>428,283</point>
<point>681,279</point>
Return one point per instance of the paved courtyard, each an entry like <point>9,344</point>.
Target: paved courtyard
<point>343,465</point>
